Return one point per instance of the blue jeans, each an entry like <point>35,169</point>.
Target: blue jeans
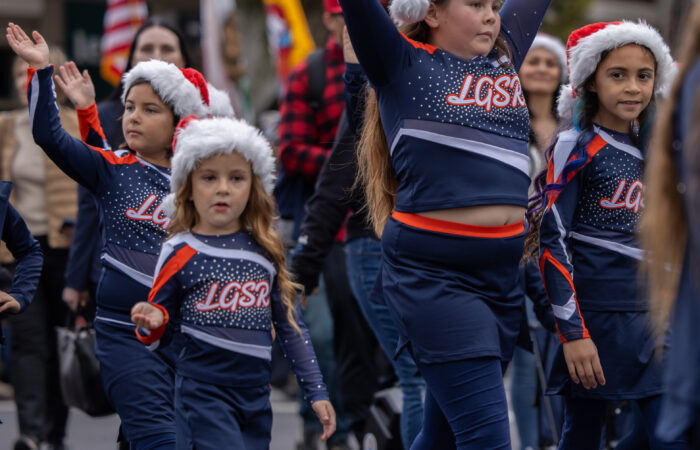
<point>363,260</point>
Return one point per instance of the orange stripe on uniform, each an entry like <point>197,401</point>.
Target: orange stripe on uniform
<point>112,157</point>
<point>30,74</point>
<point>460,229</point>
<point>427,47</point>
<point>547,256</point>
<point>592,149</point>
<point>173,266</point>
<point>89,120</point>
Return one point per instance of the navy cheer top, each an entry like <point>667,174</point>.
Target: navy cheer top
<point>128,189</point>
<point>222,293</point>
<point>588,244</point>
<point>457,129</point>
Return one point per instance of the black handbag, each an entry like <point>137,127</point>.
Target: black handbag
<point>79,371</point>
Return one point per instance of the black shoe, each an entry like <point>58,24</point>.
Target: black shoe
<point>26,443</point>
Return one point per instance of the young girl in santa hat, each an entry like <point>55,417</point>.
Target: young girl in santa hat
<point>446,175</point>
<point>591,200</point>
<point>221,278</point>
<point>130,186</point>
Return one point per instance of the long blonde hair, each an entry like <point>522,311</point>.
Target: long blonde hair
<point>663,228</point>
<point>375,172</point>
<point>257,218</point>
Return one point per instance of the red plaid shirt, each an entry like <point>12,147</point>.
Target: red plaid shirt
<point>306,135</point>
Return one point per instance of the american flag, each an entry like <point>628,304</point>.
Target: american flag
<point>122,19</point>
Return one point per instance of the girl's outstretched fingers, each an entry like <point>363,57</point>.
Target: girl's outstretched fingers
<point>34,54</point>
<point>145,315</point>
<point>77,87</point>
<point>326,415</point>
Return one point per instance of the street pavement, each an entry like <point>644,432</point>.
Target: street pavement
<point>87,433</point>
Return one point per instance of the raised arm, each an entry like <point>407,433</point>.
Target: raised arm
<point>380,48</point>
<point>79,161</point>
<point>520,21</point>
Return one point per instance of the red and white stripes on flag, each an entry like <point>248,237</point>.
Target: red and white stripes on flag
<point>122,19</point>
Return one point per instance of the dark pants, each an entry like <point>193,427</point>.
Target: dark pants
<point>354,344</point>
<point>41,412</point>
<point>465,406</point>
<point>584,423</point>
<point>211,417</point>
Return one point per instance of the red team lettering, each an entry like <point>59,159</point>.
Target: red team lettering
<point>488,93</point>
<point>236,295</point>
<point>158,216</point>
<point>634,200</point>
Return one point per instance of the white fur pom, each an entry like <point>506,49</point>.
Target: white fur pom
<point>408,11</point>
<point>169,205</point>
<point>219,103</point>
<point>566,104</point>
<point>201,139</point>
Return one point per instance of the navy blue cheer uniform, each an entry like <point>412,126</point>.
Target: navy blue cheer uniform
<point>457,131</point>
<point>24,248</point>
<point>221,293</point>
<point>129,192</point>
<point>589,260</point>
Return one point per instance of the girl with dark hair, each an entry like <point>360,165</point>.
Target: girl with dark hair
<point>670,232</point>
<point>592,197</point>
<point>445,170</point>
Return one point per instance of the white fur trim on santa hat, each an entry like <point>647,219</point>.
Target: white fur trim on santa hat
<point>219,103</point>
<point>170,84</point>
<point>201,139</point>
<point>408,11</point>
<point>556,47</point>
<point>584,58</point>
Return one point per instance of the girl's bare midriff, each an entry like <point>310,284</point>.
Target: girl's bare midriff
<point>485,216</point>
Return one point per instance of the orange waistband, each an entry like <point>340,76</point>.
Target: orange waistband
<point>460,229</point>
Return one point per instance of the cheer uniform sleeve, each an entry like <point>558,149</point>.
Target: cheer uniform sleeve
<point>298,349</point>
<point>27,252</point>
<point>90,128</point>
<point>520,21</point>
<point>166,293</point>
<point>89,166</point>
<point>380,48</point>
<point>555,263</point>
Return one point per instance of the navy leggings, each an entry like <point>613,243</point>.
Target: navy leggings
<point>584,423</point>
<point>465,406</point>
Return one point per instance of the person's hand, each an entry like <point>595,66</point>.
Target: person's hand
<point>71,297</point>
<point>8,304</point>
<point>326,415</point>
<point>77,87</point>
<point>145,315</point>
<point>34,54</point>
<point>583,363</point>
<point>348,50</point>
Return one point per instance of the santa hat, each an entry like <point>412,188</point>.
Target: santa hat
<point>196,140</point>
<point>219,103</point>
<point>183,90</point>
<point>554,46</point>
<point>408,11</point>
<point>586,45</point>
<point>332,7</point>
